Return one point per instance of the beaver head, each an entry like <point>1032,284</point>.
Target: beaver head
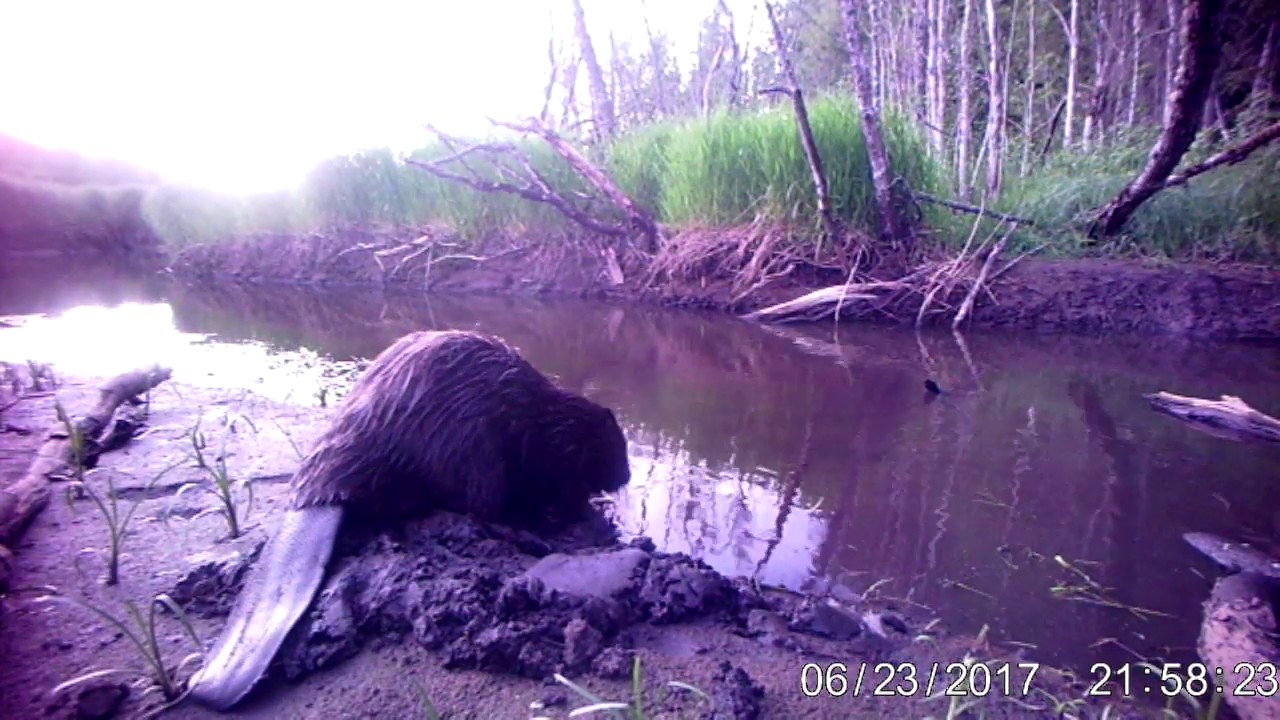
<point>578,451</point>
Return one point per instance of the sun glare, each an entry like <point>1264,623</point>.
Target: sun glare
<point>245,97</point>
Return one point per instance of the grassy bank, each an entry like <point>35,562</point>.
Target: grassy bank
<point>723,171</point>
<point>1231,212</point>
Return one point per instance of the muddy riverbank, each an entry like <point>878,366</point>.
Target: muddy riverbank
<point>474,617</point>
<point>1075,295</point>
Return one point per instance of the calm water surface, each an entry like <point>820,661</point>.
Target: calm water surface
<point>809,460</point>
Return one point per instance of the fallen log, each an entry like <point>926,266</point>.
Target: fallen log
<point>21,501</point>
<point>1230,418</point>
<point>819,302</point>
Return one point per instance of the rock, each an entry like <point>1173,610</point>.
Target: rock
<point>763,622</point>
<point>582,643</point>
<point>825,619</point>
<point>882,623</point>
<point>736,695</point>
<point>600,575</point>
<point>99,701</point>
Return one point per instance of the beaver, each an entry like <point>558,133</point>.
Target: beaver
<point>446,420</point>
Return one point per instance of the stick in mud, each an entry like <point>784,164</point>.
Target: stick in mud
<point>24,499</point>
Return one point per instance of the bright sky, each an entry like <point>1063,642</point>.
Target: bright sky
<point>247,96</point>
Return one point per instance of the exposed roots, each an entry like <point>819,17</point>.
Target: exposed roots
<point>752,257</point>
<point>437,245</point>
<point>933,283</point>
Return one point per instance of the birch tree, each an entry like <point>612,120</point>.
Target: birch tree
<point>964,120</point>
<point>878,155</point>
<point>601,102</point>
<point>995,105</point>
<point>1196,65</point>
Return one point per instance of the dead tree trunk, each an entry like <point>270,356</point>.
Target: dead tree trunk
<point>735,55</point>
<point>1135,65</point>
<point>995,105</point>
<point>1263,94</point>
<point>829,224</point>
<point>878,155</point>
<point>936,71</point>
<point>1173,11</point>
<point>1028,107</point>
<point>601,102</point>
<point>1073,53</point>
<point>661,105</point>
<point>1200,19</point>
<point>964,118</point>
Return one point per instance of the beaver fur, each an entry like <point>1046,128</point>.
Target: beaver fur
<point>460,421</point>
<point>440,420</point>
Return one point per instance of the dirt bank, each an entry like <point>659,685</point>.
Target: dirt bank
<point>476,617</point>
<point>1081,295</point>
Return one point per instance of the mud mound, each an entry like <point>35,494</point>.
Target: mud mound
<point>507,602</point>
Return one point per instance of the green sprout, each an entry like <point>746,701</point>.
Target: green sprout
<point>107,503</point>
<point>221,485</point>
<point>622,711</point>
<point>140,629</point>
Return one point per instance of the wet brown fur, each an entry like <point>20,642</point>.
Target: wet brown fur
<point>460,421</point>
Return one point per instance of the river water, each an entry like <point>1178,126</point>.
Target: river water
<point>804,458</point>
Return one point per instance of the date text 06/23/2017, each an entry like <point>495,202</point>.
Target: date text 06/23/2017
<point>973,679</point>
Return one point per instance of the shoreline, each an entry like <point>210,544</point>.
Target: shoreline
<point>1082,296</point>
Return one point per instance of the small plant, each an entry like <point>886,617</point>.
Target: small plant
<point>140,629</point>
<point>42,377</point>
<point>108,503</point>
<point>620,710</point>
<point>75,439</point>
<point>222,486</point>
<point>1079,587</point>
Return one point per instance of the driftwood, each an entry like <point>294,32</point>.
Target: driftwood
<point>1230,418</point>
<point>818,303</point>
<point>25,498</point>
<point>1238,633</point>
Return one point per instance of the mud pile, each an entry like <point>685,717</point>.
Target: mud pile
<point>504,601</point>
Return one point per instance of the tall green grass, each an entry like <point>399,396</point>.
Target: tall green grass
<point>728,169</point>
<point>1230,212</point>
<point>734,167</point>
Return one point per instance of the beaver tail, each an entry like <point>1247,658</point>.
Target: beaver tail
<point>275,595</point>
